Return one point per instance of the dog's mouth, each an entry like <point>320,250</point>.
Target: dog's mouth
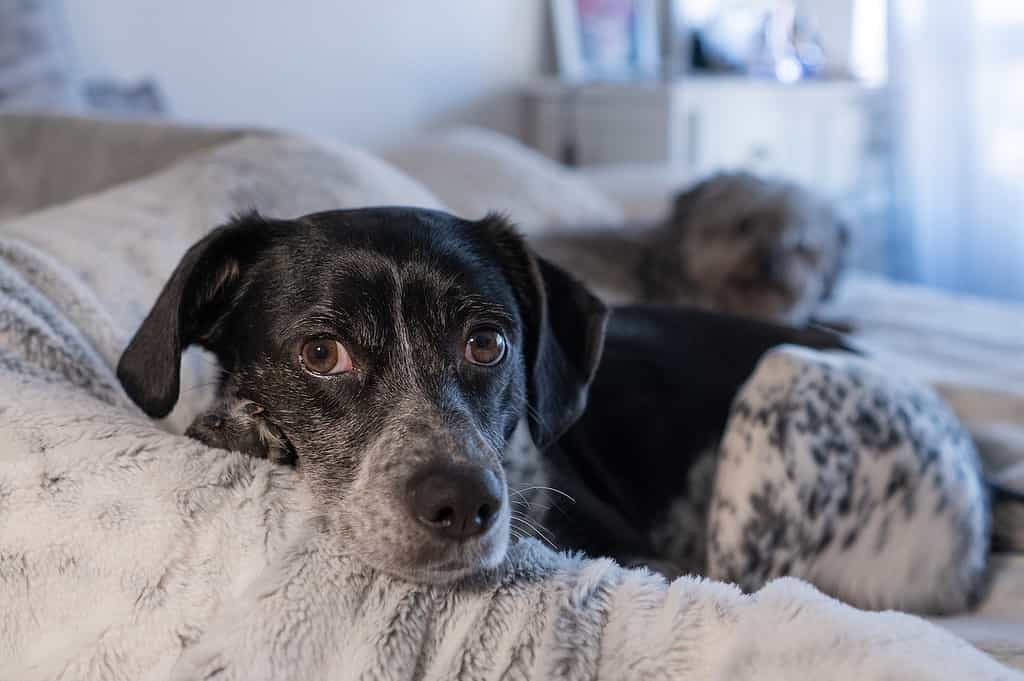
<point>752,293</point>
<point>760,285</point>
<point>440,562</point>
<point>465,559</point>
<point>382,532</point>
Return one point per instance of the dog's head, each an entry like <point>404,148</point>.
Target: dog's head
<point>752,246</point>
<point>396,349</point>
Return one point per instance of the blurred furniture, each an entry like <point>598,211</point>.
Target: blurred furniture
<point>826,134</point>
<point>812,131</point>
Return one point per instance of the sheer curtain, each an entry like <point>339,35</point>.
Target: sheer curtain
<point>957,84</point>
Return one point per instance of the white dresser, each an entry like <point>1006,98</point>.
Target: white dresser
<point>816,132</point>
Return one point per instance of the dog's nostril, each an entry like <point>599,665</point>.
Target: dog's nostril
<point>444,517</point>
<point>483,514</point>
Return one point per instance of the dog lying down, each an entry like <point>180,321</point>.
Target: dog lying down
<point>390,354</point>
<point>735,243</point>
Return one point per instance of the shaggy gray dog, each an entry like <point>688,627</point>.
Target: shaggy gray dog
<point>735,243</point>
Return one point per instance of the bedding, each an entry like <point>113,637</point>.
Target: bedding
<point>129,552</point>
<point>476,171</point>
<point>50,159</point>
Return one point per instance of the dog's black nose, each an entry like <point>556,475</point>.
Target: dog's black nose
<point>456,502</point>
<point>769,262</point>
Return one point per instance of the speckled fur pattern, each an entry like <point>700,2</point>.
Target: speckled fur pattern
<point>680,539</point>
<point>862,483</point>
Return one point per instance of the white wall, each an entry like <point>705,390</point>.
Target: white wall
<point>363,70</point>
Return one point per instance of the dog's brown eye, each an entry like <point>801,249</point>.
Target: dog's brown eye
<point>325,357</point>
<point>485,347</point>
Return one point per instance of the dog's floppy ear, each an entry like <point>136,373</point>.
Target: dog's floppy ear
<point>564,333</point>
<point>188,310</point>
<point>694,198</point>
<point>682,206</point>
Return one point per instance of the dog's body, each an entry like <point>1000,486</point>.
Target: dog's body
<point>408,416</point>
<point>658,363</point>
<point>866,485</point>
<point>735,243</point>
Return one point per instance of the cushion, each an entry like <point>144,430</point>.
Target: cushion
<point>475,171</point>
<point>35,149</point>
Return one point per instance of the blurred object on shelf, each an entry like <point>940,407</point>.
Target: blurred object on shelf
<point>605,39</point>
<point>675,38</point>
<point>781,42</point>
<point>139,99</point>
<point>869,41</point>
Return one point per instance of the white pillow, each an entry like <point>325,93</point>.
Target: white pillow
<point>475,171</point>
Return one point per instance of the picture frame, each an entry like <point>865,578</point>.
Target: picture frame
<point>606,39</point>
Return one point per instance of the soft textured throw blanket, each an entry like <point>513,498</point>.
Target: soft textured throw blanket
<point>130,553</point>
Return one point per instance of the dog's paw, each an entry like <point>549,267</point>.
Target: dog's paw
<point>241,425</point>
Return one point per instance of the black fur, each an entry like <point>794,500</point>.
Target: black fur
<point>662,393</point>
<point>401,289</point>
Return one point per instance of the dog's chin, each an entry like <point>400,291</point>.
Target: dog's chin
<point>771,301</point>
<point>442,563</point>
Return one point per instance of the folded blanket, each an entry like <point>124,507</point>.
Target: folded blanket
<point>130,553</point>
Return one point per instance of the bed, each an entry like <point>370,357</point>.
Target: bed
<point>971,350</point>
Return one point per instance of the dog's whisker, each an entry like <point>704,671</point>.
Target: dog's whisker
<point>539,526</point>
<point>548,489</point>
<point>532,508</point>
<point>522,501</point>
<point>519,515</point>
<point>544,539</point>
<point>536,415</point>
<point>540,533</point>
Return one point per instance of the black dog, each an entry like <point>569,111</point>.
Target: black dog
<point>395,350</point>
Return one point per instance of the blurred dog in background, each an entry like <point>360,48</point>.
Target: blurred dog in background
<point>735,243</point>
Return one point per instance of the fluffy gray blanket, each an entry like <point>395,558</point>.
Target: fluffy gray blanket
<point>127,552</point>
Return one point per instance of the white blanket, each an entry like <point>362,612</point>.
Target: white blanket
<point>130,553</point>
